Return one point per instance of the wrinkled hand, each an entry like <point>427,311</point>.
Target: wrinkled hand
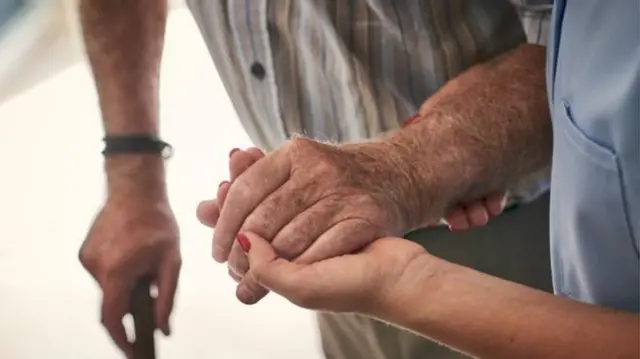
<point>462,218</point>
<point>366,282</point>
<point>132,238</point>
<point>313,200</point>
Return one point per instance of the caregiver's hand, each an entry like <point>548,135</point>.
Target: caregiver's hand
<point>368,282</point>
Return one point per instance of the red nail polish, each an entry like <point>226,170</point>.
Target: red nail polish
<point>411,119</point>
<point>244,242</point>
<point>222,183</point>
<point>233,151</point>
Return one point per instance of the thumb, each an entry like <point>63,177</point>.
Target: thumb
<point>268,269</point>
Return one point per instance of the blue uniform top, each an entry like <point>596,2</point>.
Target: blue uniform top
<point>594,92</point>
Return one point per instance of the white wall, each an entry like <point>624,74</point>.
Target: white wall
<point>52,184</point>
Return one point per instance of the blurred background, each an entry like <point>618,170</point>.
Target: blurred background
<point>52,185</point>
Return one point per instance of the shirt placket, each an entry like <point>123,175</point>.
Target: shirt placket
<point>248,20</point>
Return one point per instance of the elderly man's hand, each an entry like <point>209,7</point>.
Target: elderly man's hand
<point>314,201</point>
<point>134,236</point>
<point>464,217</point>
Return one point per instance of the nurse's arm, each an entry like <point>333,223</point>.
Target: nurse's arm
<point>487,317</point>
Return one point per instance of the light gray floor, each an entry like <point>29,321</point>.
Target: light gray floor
<point>51,185</point>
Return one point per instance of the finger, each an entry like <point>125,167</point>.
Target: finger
<point>236,278</point>
<point>256,153</point>
<point>457,220</point>
<point>246,192</point>
<point>167,282</point>
<point>296,236</point>
<point>312,286</point>
<point>115,305</point>
<point>290,242</point>
<point>238,261</point>
<point>208,211</point>
<point>271,271</point>
<point>306,228</point>
<point>221,196</point>
<point>240,161</point>
<point>477,214</point>
<point>284,204</point>
<point>343,238</point>
<point>495,204</point>
<point>249,291</point>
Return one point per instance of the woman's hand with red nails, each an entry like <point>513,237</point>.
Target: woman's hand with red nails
<point>366,282</point>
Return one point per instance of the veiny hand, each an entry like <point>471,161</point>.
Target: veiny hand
<point>132,238</point>
<point>462,218</point>
<point>366,282</point>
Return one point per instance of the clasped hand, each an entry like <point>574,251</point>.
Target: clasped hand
<point>315,211</point>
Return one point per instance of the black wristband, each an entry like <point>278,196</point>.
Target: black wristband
<point>136,144</point>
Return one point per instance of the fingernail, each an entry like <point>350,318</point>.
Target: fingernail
<point>244,242</point>
<point>233,151</point>
<point>222,183</point>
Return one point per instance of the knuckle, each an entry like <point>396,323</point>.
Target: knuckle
<point>290,247</point>
<point>259,221</point>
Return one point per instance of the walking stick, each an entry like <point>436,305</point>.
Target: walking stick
<point>144,322</point>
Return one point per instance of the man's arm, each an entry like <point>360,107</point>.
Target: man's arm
<point>488,317</point>
<point>124,41</point>
<point>135,234</point>
<point>482,132</point>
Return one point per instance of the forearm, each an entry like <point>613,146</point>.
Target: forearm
<point>487,317</point>
<point>124,41</point>
<point>482,132</point>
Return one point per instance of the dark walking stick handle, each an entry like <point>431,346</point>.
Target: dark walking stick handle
<point>144,322</point>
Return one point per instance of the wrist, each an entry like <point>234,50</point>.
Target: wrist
<point>385,170</point>
<point>409,298</point>
<point>430,158</point>
<point>136,176</point>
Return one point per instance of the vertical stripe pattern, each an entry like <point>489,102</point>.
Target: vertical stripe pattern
<point>346,70</point>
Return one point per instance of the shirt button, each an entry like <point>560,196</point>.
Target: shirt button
<point>258,70</point>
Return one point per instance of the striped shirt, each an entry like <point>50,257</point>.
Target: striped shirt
<point>346,70</point>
